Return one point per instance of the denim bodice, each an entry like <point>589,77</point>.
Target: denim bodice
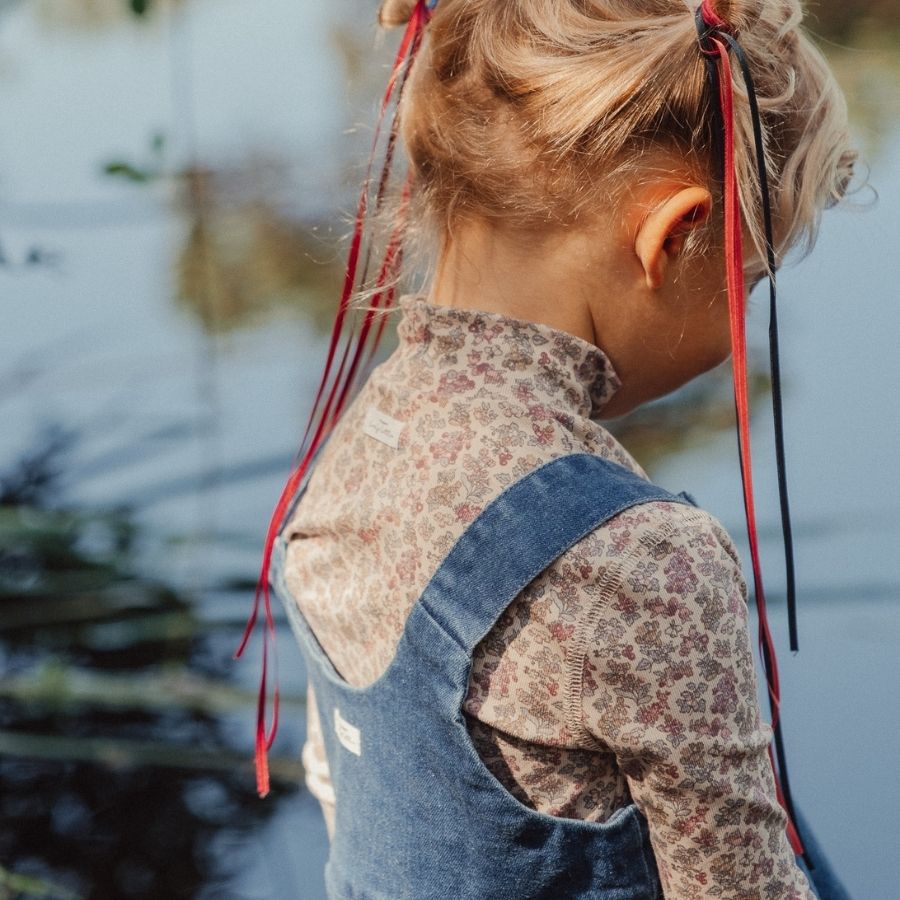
<point>418,815</point>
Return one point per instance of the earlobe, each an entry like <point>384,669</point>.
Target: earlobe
<point>660,236</point>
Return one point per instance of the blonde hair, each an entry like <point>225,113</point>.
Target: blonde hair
<point>535,112</point>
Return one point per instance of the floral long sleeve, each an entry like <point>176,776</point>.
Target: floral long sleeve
<point>669,687</point>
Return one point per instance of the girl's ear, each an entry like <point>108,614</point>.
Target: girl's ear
<point>660,236</point>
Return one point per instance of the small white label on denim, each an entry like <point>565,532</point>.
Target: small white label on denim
<point>346,733</point>
<point>382,427</point>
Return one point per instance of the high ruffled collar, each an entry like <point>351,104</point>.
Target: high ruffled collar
<point>567,369</point>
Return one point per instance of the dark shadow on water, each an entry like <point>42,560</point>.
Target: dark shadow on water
<point>139,832</point>
<point>117,778</point>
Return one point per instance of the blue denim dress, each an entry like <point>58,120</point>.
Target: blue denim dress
<point>418,815</point>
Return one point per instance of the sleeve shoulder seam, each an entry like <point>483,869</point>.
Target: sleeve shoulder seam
<point>611,582</point>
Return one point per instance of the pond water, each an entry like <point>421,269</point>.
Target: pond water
<point>152,404</point>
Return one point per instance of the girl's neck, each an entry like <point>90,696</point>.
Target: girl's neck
<point>592,282</point>
<point>541,277</point>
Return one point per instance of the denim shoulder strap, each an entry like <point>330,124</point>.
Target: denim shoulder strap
<point>522,531</point>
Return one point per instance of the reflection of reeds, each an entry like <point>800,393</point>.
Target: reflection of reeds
<point>242,258</point>
<point>119,753</point>
<point>114,705</point>
<point>69,576</point>
<point>58,686</point>
<point>94,14</point>
<point>869,74</point>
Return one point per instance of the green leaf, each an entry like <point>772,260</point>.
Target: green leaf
<point>126,170</point>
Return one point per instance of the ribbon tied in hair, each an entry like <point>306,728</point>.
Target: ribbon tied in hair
<point>716,37</point>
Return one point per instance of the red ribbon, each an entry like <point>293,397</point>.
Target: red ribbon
<point>734,266</point>
<point>341,388</point>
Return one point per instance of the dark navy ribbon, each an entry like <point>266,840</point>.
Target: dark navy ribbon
<point>713,30</point>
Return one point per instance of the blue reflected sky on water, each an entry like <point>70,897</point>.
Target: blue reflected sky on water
<point>203,427</point>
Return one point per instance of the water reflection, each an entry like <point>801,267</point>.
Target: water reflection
<point>116,767</point>
<point>840,22</point>
<point>96,14</point>
<point>243,258</point>
<point>869,72</point>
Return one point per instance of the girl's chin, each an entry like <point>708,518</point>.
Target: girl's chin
<point>625,401</point>
<point>620,405</point>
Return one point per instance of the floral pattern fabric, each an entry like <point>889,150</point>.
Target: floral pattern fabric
<point>622,672</point>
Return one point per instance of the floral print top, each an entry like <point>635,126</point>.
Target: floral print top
<point>622,672</point>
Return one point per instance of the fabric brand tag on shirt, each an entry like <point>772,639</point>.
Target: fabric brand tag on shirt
<point>382,427</point>
<point>347,734</point>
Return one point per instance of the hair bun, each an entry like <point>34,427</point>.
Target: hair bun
<point>395,12</point>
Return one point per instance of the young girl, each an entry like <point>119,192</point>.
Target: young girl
<point>531,673</point>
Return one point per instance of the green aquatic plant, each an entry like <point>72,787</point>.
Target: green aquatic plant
<point>29,887</point>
